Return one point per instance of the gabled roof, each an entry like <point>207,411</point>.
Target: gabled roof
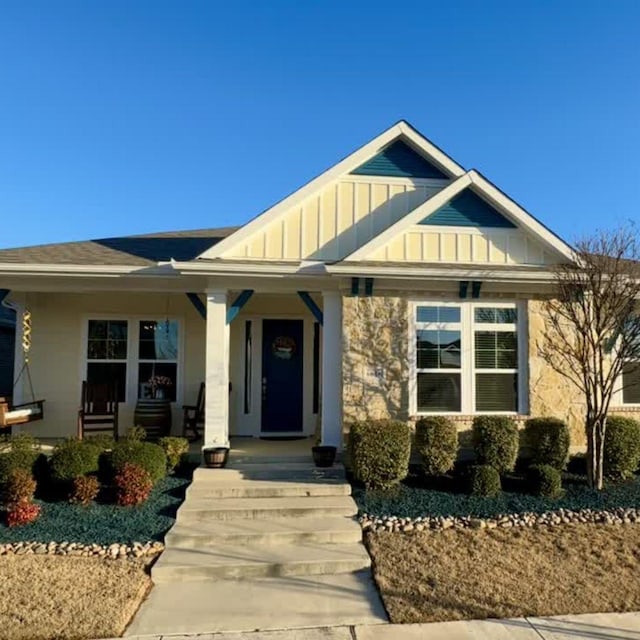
<point>479,186</point>
<point>401,131</point>
<point>141,250</point>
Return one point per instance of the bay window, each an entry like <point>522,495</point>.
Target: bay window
<point>466,358</point>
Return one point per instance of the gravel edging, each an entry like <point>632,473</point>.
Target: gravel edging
<point>107,551</point>
<point>527,519</point>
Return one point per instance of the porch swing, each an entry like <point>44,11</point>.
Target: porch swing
<point>11,415</point>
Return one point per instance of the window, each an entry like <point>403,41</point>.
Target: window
<point>466,358</point>
<point>157,359</point>
<point>631,384</point>
<point>107,349</point>
<point>140,356</point>
<point>438,342</point>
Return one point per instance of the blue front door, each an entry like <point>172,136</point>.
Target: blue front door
<point>282,371</point>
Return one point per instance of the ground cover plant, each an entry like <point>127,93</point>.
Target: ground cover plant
<point>502,573</point>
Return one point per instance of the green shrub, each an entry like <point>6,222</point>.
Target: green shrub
<point>17,452</point>
<point>102,441</point>
<point>548,440</point>
<point>437,443</point>
<point>621,447</point>
<point>484,481</point>
<point>72,458</point>
<point>544,480</point>
<point>174,449</point>
<point>379,452</point>
<point>495,441</point>
<point>138,434</point>
<point>147,455</point>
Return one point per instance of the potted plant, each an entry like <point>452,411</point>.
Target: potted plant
<point>215,457</point>
<point>323,455</point>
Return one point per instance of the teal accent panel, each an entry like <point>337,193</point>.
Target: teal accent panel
<point>468,210</point>
<point>401,161</point>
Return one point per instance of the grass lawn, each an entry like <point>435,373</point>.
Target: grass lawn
<point>500,573</point>
<point>47,597</point>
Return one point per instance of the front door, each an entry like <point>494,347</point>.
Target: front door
<point>282,349</point>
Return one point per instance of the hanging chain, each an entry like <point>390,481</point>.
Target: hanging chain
<point>26,333</point>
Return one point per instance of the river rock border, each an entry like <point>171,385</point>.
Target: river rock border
<point>527,519</point>
<point>108,551</point>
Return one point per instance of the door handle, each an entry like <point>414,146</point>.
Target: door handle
<point>264,389</point>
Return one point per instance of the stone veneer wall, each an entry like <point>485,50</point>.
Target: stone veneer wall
<point>375,369</point>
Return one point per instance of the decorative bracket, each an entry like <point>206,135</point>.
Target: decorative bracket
<point>312,306</point>
<point>200,307</point>
<point>237,305</point>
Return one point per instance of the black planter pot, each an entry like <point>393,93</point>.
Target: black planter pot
<point>215,457</point>
<point>323,456</point>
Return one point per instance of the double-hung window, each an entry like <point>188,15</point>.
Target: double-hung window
<point>631,384</point>
<point>466,358</point>
<point>140,356</point>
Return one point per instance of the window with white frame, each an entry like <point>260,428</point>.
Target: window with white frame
<point>139,355</point>
<point>631,383</point>
<point>466,358</point>
<point>107,354</point>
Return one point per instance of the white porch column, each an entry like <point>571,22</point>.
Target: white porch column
<point>216,409</point>
<point>331,425</point>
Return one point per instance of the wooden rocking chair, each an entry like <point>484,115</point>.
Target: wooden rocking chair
<point>194,416</point>
<point>98,409</point>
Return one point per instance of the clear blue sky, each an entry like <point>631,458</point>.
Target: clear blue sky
<point>120,117</point>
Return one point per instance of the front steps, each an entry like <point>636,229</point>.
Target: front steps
<point>263,520</point>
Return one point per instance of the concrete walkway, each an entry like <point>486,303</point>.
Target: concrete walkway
<point>592,626</point>
<point>268,544</point>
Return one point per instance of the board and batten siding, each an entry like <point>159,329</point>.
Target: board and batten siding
<point>463,245</point>
<point>339,219</point>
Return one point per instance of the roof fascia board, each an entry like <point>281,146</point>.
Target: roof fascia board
<point>413,217</point>
<point>441,272</point>
<point>519,215</point>
<point>249,268</point>
<point>345,166</point>
<point>82,270</point>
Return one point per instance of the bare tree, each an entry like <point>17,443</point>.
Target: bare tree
<point>592,327</point>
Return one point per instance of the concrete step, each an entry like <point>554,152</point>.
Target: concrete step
<point>282,472</point>
<point>268,483</point>
<point>213,533</point>
<point>198,508</point>
<point>236,458</point>
<point>229,561</point>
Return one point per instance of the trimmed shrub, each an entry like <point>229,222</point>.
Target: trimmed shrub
<point>544,480</point>
<point>379,452</point>
<point>137,434</point>
<point>85,490</point>
<point>484,481</point>
<point>621,447</point>
<point>72,458</point>
<point>437,443</point>
<point>133,484</point>
<point>102,441</point>
<point>495,441</point>
<point>548,440</point>
<point>20,487</point>
<point>174,449</point>
<point>17,452</point>
<point>147,455</point>
<point>22,513</point>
